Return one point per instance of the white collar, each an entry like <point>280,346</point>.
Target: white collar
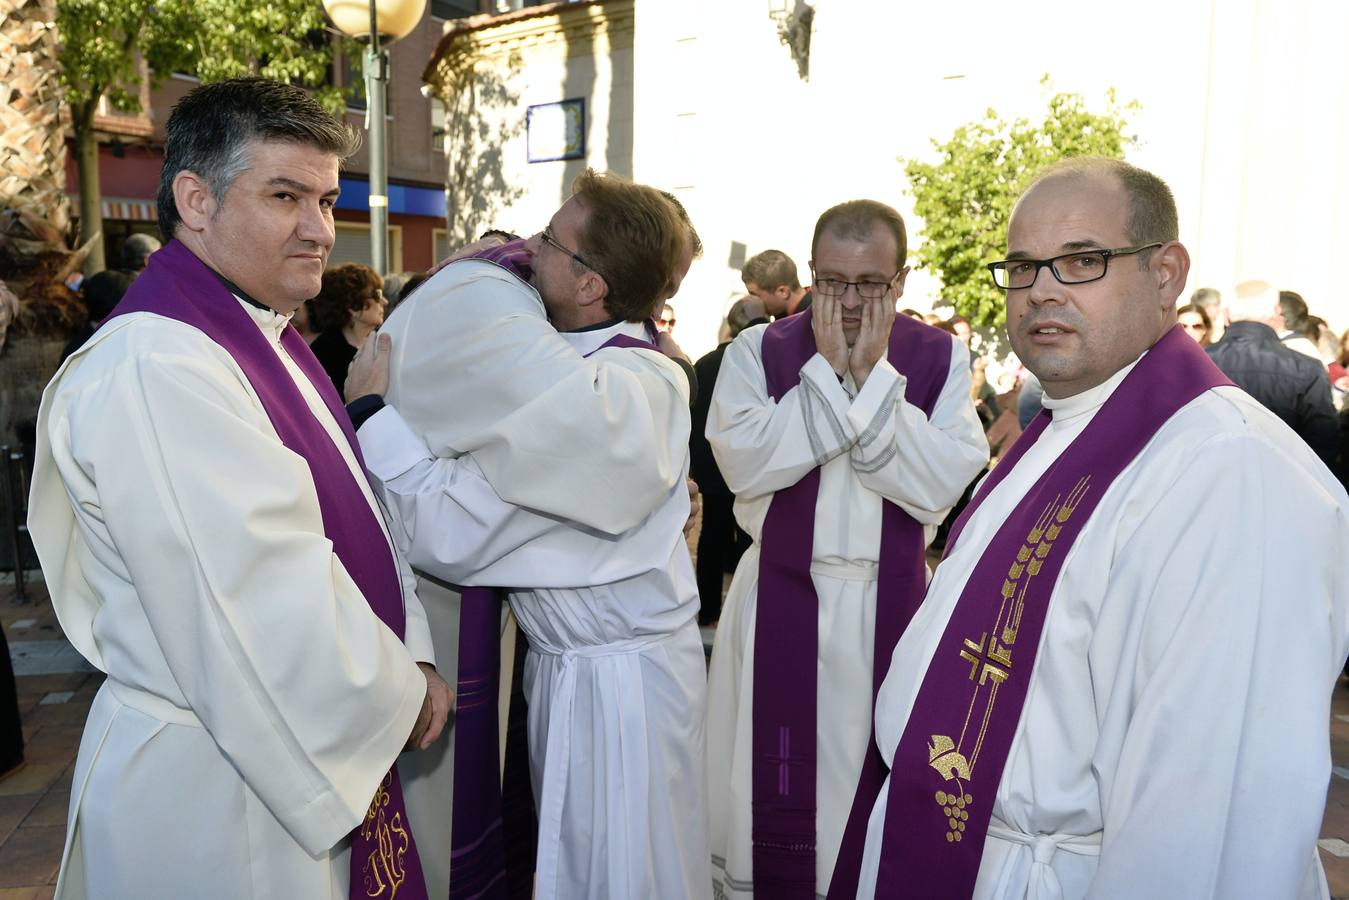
<point>270,321</point>
<point>1069,409</point>
<point>586,342</point>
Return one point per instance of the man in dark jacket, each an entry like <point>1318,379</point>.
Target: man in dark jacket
<point>721,542</point>
<point>1294,387</point>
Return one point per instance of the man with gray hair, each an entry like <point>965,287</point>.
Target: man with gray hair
<point>137,250</point>
<point>1118,685</point>
<point>211,542</point>
<point>1292,385</point>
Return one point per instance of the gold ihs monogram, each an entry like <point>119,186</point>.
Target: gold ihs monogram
<point>384,869</point>
<point>990,659</point>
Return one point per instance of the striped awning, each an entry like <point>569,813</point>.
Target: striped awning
<point>129,210</point>
<point>124,209</point>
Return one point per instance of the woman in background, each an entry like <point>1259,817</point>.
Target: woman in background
<point>349,306</point>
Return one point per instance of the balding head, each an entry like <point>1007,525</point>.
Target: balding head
<point>1152,206</point>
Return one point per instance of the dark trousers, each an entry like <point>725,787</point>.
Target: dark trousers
<point>720,546</point>
<point>11,729</point>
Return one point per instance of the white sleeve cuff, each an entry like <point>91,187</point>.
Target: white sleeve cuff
<point>824,406</point>
<point>875,403</point>
<point>389,445</point>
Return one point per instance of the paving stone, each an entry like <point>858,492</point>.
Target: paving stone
<point>52,809</point>
<point>73,712</point>
<point>46,657</point>
<point>1337,874</point>
<point>31,778</point>
<point>31,856</point>
<point>21,893</point>
<point>54,743</point>
<point>13,810</point>
<point>45,684</point>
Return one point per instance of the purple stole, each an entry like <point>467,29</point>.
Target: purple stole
<point>494,826</point>
<point>493,829</point>
<point>177,285</point>
<point>950,759</point>
<point>786,634</point>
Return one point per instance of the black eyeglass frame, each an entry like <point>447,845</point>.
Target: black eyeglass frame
<point>552,241</point>
<point>1106,255</point>
<point>855,285</point>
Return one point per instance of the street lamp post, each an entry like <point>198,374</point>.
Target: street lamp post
<point>377,23</point>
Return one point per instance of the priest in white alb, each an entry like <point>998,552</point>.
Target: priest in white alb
<point>1119,682</point>
<point>536,440</point>
<point>846,433</point>
<point>210,541</point>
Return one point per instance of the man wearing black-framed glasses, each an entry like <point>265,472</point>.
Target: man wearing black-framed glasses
<point>1115,624</point>
<point>846,434</point>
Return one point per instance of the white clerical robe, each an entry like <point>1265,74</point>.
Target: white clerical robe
<point>1174,742</point>
<point>584,525</point>
<point>253,701</point>
<point>868,444</point>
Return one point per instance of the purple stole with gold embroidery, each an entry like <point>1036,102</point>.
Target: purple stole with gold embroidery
<point>786,634</point>
<point>950,759</point>
<point>177,285</point>
<point>494,823</point>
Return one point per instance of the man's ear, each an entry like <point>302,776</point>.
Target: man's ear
<point>592,289</point>
<point>900,277</point>
<point>194,200</point>
<point>1172,267</point>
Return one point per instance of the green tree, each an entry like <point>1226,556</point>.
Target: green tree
<point>965,199</point>
<point>109,46</point>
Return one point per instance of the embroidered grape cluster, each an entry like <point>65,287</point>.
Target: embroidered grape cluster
<point>953,807</point>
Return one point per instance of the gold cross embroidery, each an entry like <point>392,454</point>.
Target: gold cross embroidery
<point>975,655</point>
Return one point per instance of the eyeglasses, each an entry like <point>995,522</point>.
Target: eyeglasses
<point>1070,268</point>
<point>867,290</point>
<point>548,238</point>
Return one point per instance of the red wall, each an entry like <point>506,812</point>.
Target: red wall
<point>135,174</point>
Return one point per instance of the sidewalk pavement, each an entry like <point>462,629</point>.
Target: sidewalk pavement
<point>56,688</point>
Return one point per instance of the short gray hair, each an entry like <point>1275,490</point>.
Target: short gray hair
<point>1253,301</point>
<point>136,250</point>
<point>213,128</point>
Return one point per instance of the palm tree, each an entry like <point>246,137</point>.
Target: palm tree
<point>35,258</point>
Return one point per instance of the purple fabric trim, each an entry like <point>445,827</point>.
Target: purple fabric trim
<point>477,860</point>
<point>511,256</point>
<point>177,285</point>
<point>624,340</point>
<point>946,776</point>
<point>786,635</point>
